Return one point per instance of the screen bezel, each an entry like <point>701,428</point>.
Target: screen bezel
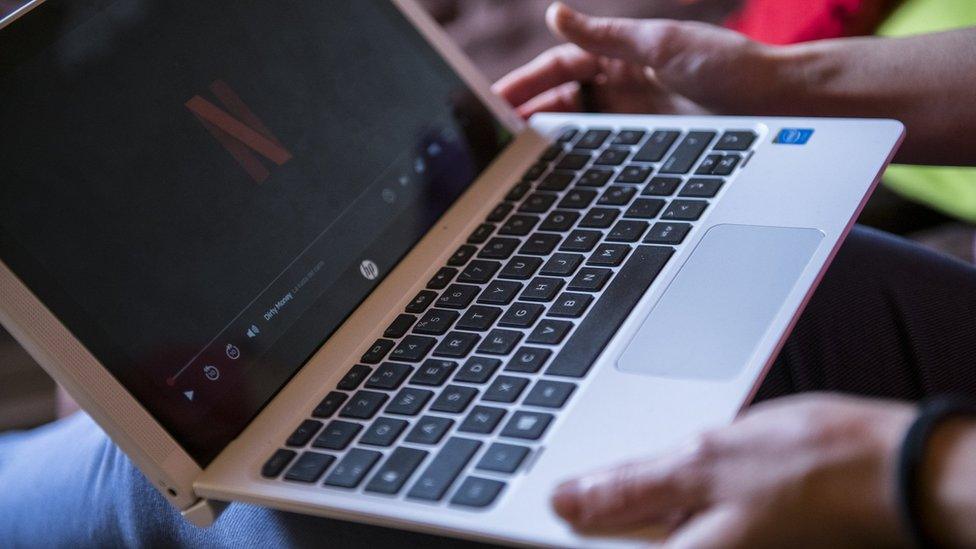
<point>169,466</point>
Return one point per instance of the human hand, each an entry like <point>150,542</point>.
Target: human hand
<point>649,66</point>
<point>799,471</point>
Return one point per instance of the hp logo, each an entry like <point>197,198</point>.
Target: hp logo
<point>369,270</point>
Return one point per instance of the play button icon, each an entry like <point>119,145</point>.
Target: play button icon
<point>188,395</point>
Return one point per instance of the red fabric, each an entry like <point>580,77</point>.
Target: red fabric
<point>790,21</point>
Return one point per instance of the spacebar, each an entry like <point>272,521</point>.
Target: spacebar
<point>603,320</point>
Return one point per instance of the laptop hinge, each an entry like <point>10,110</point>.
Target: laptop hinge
<point>204,512</point>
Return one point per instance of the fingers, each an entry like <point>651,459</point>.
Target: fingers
<point>634,494</point>
<point>551,69</point>
<point>564,98</point>
<point>724,527</point>
<point>651,42</point>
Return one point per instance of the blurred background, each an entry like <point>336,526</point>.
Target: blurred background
<point>500,35</point>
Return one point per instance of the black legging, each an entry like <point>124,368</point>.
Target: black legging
<point>890,319</point>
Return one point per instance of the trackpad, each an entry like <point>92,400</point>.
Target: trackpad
<point>713,315</point>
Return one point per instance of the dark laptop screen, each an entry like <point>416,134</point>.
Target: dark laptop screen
<point>204,191</point>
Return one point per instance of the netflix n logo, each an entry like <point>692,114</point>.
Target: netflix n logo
<point>239,130</point>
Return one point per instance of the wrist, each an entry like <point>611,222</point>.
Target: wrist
<point>946,484</point>
<point>808,77</point>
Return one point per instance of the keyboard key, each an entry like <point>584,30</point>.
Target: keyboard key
<point>633,174</point>
<point>627,231</point>
<point>570,305</point>
<point>517,192</point>
<point>551,152</point>
<point>567,135</point>
<point>478,369</point>
<point>482,420</point>
<point>599,218</point>
<point>542,288</point>
<point>502,458</point>
<point>458,296</point>
<point>499,213</point>
<point>499,248</point>
<point>329,405</point>
<point>337,435</point>
<point>352,379</point>
<point>442,278</point>
<point>520,267</point>
<point>727,165</point>
<point>389,376</point>
<point>500,342</point>
<point>612,157</point>
<point>538,203</point>
<point>661,186</point>
<point>433,372</point>
<point>421,301</point>
<point>527,425</point>
<point>481,234</point>
<point>685,210</point>
<point>383,432</point>
<point>396,470</point>
<point>594,178</point>
<point>444,469</point>
<point>436,322</point>
<point>478,318</point>
<point>519,225</point>
<point>606,315</point>
<point>400,326</point>
<point>581,241</point>
<point>353,468</point>
<point>593,139</point>
<point>277,463</point>
<point>500,292</point>
<point>628,137</point>
<point>540,244</point>
<point>454,399</point>
<point>735,140</point>
<point>505,389</point>
<point>608,255</point>
<point>534,172</point>
<point>687,152</point>
<point>573,161</point>
<point>550,332</point>
<point>645,208</point>
<point>528,360</point>
<point>477,492</point>
<point>702,187</point>
<point>378,351</point>
<point>577,199</point>
<point>457,344</point>
<point>590,279</point>
<point>562,264</point>
<point>462,255</point>
<point>479,271</point>
<point>667,233</point>
<point>549,394</point>
<point>617,195</point>
<point>409,401</point>
<point>521,315</point>
<point>559,221</point>
<point>304,433</point>
<point>364,405</point>
<point>429,430</point>
<point>657,144</point>
<point>413,348</point>
<point>309,467</point>
<point>556,181</point>
<point>707,165</point>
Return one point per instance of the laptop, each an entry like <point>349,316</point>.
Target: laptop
<point>300,256</point>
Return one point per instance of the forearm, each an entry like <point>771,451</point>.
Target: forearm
<point>949,485</point>
<point>927,81</point>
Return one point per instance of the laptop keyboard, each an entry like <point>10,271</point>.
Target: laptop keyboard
<point>466,382</point>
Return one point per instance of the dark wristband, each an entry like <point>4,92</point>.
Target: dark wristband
<point>912,457</point>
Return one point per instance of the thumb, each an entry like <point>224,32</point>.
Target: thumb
<point>650,42</point>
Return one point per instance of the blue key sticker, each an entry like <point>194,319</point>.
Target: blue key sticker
<point>793,136</point>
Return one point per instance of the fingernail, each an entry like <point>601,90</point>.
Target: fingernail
<point>566,500</point>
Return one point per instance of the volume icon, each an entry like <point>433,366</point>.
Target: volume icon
<point>253,331</point>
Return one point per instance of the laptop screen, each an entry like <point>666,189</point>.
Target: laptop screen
<point>203,191</point>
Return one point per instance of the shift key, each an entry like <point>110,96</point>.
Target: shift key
<point>444,469</point>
